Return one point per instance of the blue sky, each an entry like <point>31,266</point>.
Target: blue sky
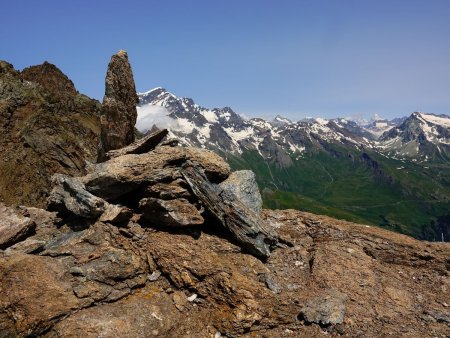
<point>295,58</point>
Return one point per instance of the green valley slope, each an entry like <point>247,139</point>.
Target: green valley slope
<point>362,187</point>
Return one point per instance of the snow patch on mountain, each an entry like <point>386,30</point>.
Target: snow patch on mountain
<point>437,120</point>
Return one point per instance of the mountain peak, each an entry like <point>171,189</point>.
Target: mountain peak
<point>51,78</point>
<point>281,120</point>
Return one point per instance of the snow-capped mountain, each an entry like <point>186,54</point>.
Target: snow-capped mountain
<point>421,137</point>
<point>224,130</point>
<point>221,129</point>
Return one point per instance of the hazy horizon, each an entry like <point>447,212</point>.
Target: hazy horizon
<point>293,58</point>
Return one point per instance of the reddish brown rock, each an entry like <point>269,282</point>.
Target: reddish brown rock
<point>97,281</point>
<point>118,115</point>
<point>172,213</point>
<point>52,79</point>
<point>46,127</point>
<point>124,174</point>
<point>13,226</point>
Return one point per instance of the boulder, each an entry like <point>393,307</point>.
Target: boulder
<point>121,175</point>
<point>243,185</point>
<point>118,113</point>
<point>246,226</point>
<point>69,194</point>
<point>13,226</point>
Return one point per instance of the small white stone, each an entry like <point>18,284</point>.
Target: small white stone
<point>154,276</point>
<point>217,335</point>
<point>192,297</point>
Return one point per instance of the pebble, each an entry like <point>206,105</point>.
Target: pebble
<point>192,297</point>
<point>154,276</point>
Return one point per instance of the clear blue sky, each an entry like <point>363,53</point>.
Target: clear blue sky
<point>297,58</point>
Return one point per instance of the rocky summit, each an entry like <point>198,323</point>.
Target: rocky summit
<point>46,126</point>
<point>118,114</point>
<point>163,240</point>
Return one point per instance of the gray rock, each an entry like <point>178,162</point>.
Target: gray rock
<point>270,283</point>
<point>327,309</point>
<point>246,226</point>
<point>441,317</point>
<point>154,276</point>
<point>69,194</point>
<point>13,227</point>
<point>243,185</point>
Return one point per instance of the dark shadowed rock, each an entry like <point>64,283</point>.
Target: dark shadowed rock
<point>116,214</point>
<point>326,309</point>
<point>14,227</point>
<point>118,115</point>
<point>173,213</point>
<point>169,191</point>
<point>243,185</point>
<point>245,225</point>
<point>143,145</point>
<point>69,194</point>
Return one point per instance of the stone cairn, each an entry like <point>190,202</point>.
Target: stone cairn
<point>158,183</point>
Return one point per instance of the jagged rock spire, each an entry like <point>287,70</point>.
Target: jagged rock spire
<point>119,114</point>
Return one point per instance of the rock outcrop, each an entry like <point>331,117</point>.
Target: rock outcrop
<point>141,181</point>
<point>339,279</point>
<point>46,127</point>
<point>118,115</point>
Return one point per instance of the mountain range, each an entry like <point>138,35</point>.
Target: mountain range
<point>390,173</point>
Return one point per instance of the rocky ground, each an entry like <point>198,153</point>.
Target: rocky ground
<point>109,264</point>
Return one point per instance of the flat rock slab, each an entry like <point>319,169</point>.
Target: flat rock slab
<point>141,146</point>
<point>13,227</point>
<point>121,175</point>
<point>168,191</point>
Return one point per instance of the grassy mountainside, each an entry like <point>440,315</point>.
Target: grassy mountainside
<point>361,187</point>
